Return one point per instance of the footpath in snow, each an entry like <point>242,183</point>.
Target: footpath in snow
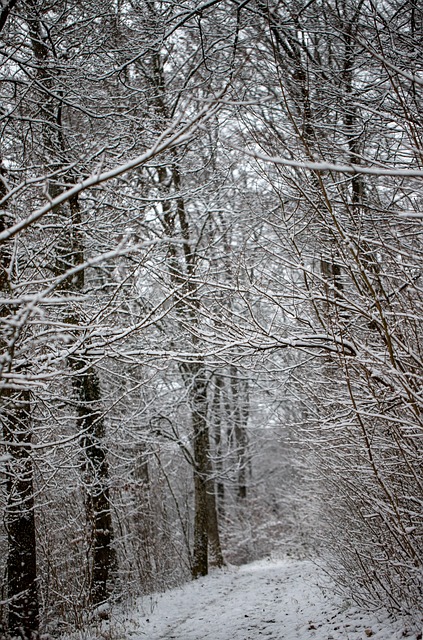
<point>280,599</point>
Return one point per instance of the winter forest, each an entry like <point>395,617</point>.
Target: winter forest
<point>211,297</point>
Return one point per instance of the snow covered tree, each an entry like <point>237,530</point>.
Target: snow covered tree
<point>210,237</point>
<point>337,128</point>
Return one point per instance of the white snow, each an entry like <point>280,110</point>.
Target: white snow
<point>280,599</point>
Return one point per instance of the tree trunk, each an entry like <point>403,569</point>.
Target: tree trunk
<point>182,271</point>
<point>240,417</point>
<point>91,426</point>
<point>217,430</point>
<point>206,530</point>
<point>216,555</point>
<point>201,452</point>
<point>69,250</point>
<point>19,515</point>
<point>143,519</point>
<point>96,476</point>
<point>20,521</point>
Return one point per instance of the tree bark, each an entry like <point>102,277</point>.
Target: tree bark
<point>217,432</point>
<point>240,418</point>
<point>215,549</point>
<point>194,376</point>
<point>23,607</point>
<point>20,521</point>
<point>70,252</point>
<point>90,423</point>
<point>182,268</point>
<point>206,530</point>
<point>96,476</point>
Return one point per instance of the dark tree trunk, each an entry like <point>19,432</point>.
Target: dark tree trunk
<point>96,476</point>
<point>6,9</point>
<point>23,607</point>
<point>216,556</point>
<point>182,269</point>
<point>240,418</point>
<point>201,454</point>
<point>20,521</point>
<point>91,426</point>
<point>206,531</point>
<point>200,564</point>
<point>217,409</point>
<point>147,533</point>
<point>69,249</point>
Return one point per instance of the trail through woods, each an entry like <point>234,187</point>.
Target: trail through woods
<point>281,599</point>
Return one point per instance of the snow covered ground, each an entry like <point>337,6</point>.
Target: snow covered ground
<point>283,599</point>
<point>280,599</point>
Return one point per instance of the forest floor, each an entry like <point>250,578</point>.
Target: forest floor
<point>283,599</point>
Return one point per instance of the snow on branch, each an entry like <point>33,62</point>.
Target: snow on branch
<point>175,135</point>
<point>353,169</point>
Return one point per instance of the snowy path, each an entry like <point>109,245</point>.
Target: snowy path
<point>267,599</point>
